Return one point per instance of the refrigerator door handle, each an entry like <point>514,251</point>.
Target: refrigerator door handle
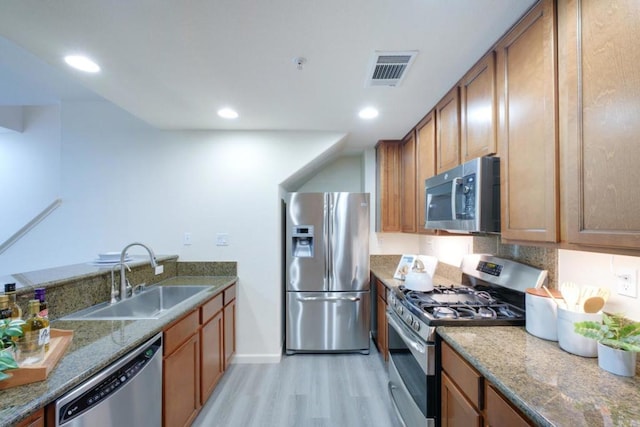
<point>330,299</point>
<point>327,244</point>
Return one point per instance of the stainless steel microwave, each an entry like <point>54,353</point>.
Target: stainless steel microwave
<point>466,198</point>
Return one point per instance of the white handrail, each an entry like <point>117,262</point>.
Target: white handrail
<point>24,230</point>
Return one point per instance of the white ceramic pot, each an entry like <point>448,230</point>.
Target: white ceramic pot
<point>419,281</point>
<point>569,340</point>
<point>541,314</point>
<point>619,362</point>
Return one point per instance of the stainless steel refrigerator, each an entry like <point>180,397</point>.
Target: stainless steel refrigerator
<point>327,272</point>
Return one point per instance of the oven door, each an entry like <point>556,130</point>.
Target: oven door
<point>412,380</point>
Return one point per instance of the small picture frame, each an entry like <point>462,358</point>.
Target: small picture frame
<point>404,267</point>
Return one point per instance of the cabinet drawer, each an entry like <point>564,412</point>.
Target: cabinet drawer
<point>210,308</point>
<point>229,294</point>
<point>382,290</point>
<point>468,380</point>
<point>180,331</point>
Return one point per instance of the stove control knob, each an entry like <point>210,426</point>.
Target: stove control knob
<point>409,319</point>
<point>400,310</point>
<point>416,326</point>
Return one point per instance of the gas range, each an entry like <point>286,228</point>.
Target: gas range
<point>492,293</point>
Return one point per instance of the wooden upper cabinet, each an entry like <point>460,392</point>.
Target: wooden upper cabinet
<point>527,128</point>
<point>448,131</point>
<point>408,184</point>
<point>425,164</point>
<point>478,109</point>
<point>389,164</point>
<point>600,122</point>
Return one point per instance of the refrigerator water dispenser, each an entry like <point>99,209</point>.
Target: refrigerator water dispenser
<point>302,241</point>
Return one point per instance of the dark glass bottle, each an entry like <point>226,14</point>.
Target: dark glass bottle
<point>10,291</point>
<point>44,313</point>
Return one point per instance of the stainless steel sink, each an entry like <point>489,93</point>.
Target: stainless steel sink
<point>151,303</point>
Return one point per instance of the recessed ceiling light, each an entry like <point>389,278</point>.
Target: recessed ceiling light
<point>228,113</point>
<point>368,113</point>
<point>82,63</point>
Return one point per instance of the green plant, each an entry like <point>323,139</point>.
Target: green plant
<point>9,329</point>
<point>615,331</point>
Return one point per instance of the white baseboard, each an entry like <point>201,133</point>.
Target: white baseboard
<point>256,358</point>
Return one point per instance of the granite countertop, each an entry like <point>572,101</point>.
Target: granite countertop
<point>549,385</point>
<point>96,344</point>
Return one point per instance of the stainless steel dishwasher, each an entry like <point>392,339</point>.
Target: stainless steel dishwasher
<point>127,393</point>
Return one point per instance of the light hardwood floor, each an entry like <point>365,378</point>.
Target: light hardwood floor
<point>328,390</point>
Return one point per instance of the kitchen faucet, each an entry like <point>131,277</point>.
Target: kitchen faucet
<point>123,254</point>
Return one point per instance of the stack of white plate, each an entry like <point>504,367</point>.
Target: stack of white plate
<point>111,258</point>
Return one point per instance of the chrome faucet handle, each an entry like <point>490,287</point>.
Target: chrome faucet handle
<point>115,292</point>
<point>139,288</point>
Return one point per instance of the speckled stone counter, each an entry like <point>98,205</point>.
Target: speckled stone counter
<point>96,344</point>
<point>551,386</point>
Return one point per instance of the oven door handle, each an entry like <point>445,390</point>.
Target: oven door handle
<point>401,330</point>
<point>391,387</point>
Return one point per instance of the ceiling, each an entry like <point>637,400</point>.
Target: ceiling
<point>173,64</point>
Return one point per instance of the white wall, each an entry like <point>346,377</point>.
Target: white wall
<point>596,269</point>
<point>343,174</point>
<point>123,181</point>
<point>29,175</point>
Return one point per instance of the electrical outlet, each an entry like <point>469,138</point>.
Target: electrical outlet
<point>159,269</point>
<point>222,239</point>
<point>626,282</point>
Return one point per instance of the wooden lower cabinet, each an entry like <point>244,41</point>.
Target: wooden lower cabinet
<point>229,325</point>
<point>195,358</point>
<point>181,394</point>
<point>34,420</point>
<point>456,409</point>
<point>499,413</point>
<point>381,317</point>
<point>211,354</point>
<point>468,399</point>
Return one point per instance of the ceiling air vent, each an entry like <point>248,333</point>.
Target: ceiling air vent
<point>389,68</point>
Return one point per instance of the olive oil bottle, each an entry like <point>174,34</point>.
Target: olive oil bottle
<point>35,333</point>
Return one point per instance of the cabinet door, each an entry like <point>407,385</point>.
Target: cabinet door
<point>383,346</point>
<point>425,164</point>
<point>600,121</point>
<point>34,420</point>
<point>448,131</point>
<point>526,75</point>
<point>389,164</point>
<point>181,385</point>
<point>229,332</point>
<point>456,409</point>
<point>477,109</point>
<point>499,413</point>
<point>408,202</point>
<point>211,355</point>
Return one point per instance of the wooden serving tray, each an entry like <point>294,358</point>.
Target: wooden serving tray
<point>58,344</point>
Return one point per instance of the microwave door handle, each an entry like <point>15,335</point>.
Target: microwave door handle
<point>454,192</point>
